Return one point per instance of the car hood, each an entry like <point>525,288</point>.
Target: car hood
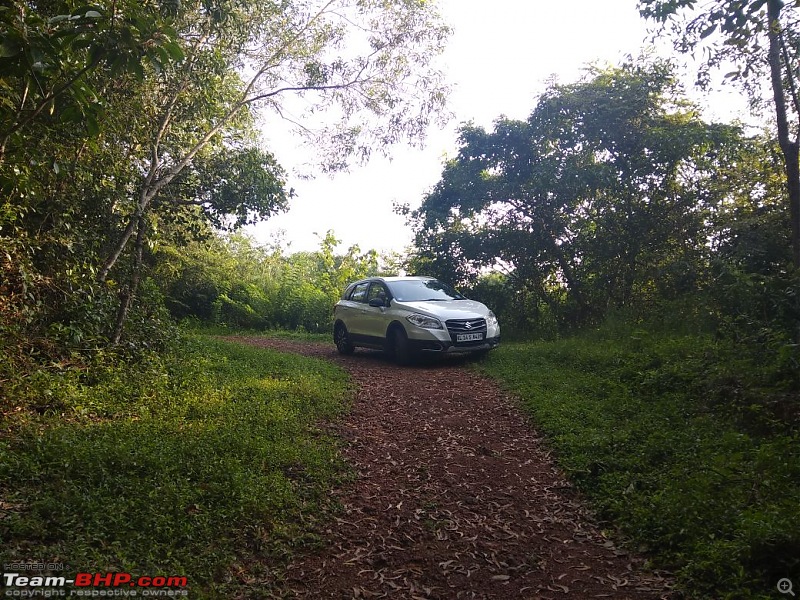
<point>449,309</point>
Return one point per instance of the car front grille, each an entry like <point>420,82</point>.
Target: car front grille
<point>462,326</point>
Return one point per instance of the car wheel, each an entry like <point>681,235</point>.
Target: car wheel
<point>341,338</point>
<point>400,347</point>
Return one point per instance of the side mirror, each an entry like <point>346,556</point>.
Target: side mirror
<point>377,302</point>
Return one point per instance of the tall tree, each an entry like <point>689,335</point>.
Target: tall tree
<point>124,147</point>
<point>370,59</point>
<point>598,194</point>
<point>761,38</point>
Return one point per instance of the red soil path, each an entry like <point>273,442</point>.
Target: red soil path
<point>456,496</point>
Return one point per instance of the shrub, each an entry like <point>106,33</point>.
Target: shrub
<point>672,439</point>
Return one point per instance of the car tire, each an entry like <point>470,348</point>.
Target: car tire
<point>400,347</point>
<point>341,337</point>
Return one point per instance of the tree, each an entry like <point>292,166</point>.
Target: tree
<point>49,50</point>
<point>58,60</point>
<point>290,49</point>
<point>760,37</point>
<point>385,83</point>
<point>601,194</point>
<point>125,149</point>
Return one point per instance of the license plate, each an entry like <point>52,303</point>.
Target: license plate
<point>468,337</point>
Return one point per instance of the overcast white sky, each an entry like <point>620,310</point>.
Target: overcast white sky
<point>498,60</point>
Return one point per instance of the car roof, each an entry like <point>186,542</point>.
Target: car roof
<point>392,278</point>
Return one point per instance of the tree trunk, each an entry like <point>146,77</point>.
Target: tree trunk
<point>573,284</point>
<point>789,148</point>
<point>102,274</point>
<point>126,298</point>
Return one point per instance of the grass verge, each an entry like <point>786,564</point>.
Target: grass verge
<point>674,441</point>
<point>200,328</point>
<point>207,463</point>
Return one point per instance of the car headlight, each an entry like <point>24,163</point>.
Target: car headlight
<point>424,321</point>
<point>491,320</point>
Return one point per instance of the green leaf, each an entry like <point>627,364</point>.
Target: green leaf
<point>71,114</point>
<point>136,69</point>
<point>155,63</point>
<point>175,51</point>
<point>8,49</point>
<point>92,127</point>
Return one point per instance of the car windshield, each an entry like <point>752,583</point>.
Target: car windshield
<point>421,290</point>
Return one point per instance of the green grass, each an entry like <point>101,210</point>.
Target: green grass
<point>209,463</point>
<point>200,328</point>
<point>676,442</point>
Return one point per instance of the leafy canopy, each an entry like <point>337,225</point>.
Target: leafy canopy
<point>597,198</point>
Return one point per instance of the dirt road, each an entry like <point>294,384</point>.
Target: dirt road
<point>456,496</point>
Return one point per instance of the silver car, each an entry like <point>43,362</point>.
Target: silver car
<point>408,316</point>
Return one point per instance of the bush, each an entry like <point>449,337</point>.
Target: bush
<point>205,462</point>
<point>231,281</point>
<point>670,437</point>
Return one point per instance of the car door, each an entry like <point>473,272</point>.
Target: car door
<point>356,306</point>
<point>375,316</point>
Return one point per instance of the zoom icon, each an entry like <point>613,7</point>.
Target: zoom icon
<point>785,586</point>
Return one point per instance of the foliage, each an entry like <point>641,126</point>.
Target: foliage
<point>235,282</point>
<point>760,39</point>
<point>598,200</point>
<point>125,126</point>
<point>128,144</point>
<point>731,34</point>
<point>49,51</point>
<point>198,462</point>
<point>523,314</point>
<point>613,195</point>
<point>380,77</point>
<point>685,443</point>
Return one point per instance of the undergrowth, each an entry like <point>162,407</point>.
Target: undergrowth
<point>207,462</point>
<point>202,328</point>
<point>687,444</point>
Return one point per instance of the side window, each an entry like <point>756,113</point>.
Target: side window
<point>360,292</point>
<point>375,291</point>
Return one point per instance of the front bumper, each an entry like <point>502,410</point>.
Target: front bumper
<point>438,346</point>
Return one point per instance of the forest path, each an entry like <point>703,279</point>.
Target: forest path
<point>456,496</point>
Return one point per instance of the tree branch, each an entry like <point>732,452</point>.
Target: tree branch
<point>43,104</point>
<point>304,88</point>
